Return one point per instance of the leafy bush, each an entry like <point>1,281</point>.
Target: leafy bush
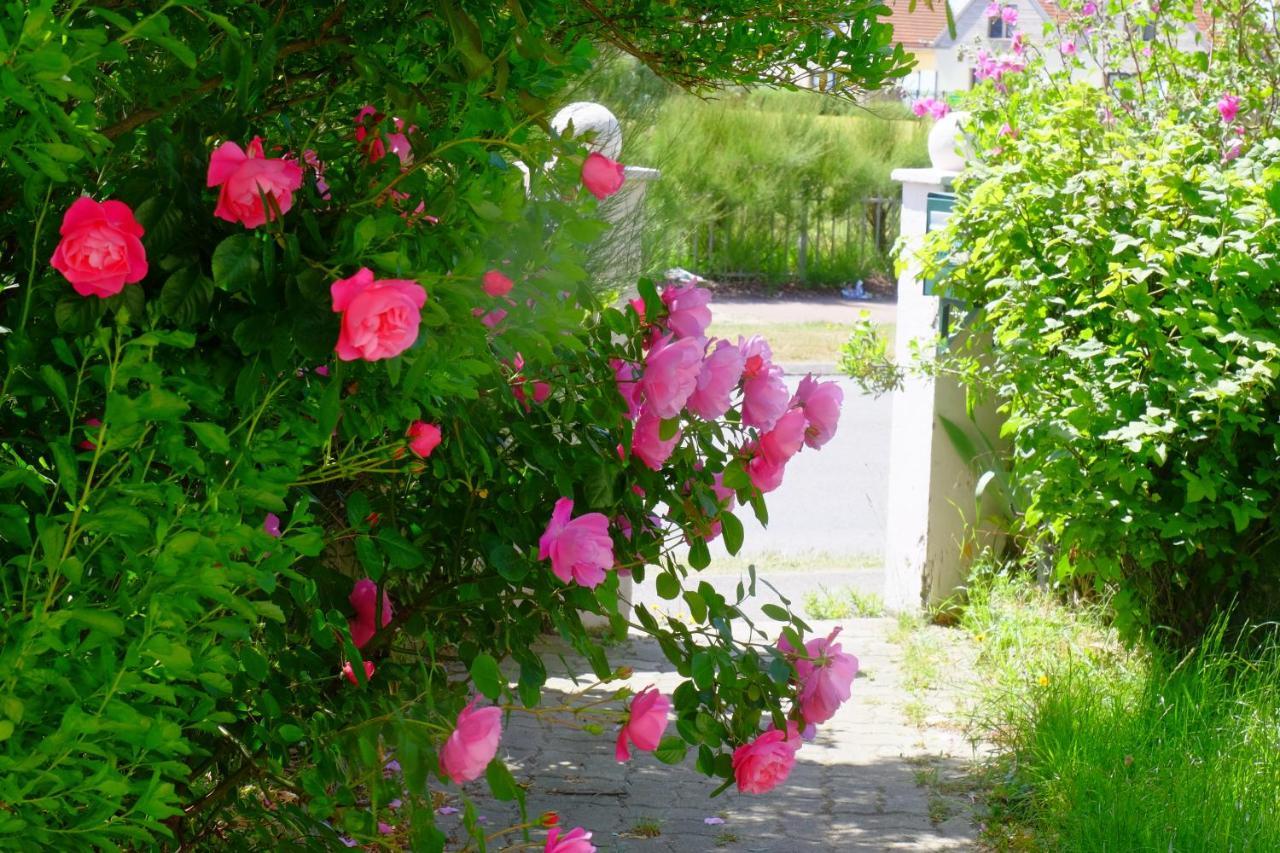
<point>1120,247</point>
<point>235,596</point>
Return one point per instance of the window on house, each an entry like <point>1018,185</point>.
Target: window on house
<point>1149,32</point>
<point>996,28</point>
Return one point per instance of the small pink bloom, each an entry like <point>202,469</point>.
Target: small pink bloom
<point>825,676</point>
<point>473,743</point>
<point>687,313</point>
<point>100,250</point>
<point>494,317</point>
<point>647,443</point>
<point>645,724</point>
<point>601,176</point>
<point>624,374</point>
<point>821,402</point>
<point>671,374</point>
<point>497,284</point>
<point>579,548</point>
<point>1229,108</point>
<point>271,524</point>
<point>766,762</point>
<point>1233,151</point>
<point>385,828</point>
<point>1068,48</point>
<point>1006,129</point>
<point>91,423</point>
<point>380,318</point>
<point>245,177</point>
<point>1089,9</point>
<point>576,840</point>
<point>920,108</point>
<point>351,673</point>
<point>764,474</point>
<point>541,391</point>
<point>786,438</point>
<point>1009,14</point>
<point>1019,45</point>
<point>322,370</point>
<point>992,10</point>
<point>423,438</point>
<point>364,600</point>
<point>764,397</point>
<point>312,159</point>
<point>718,376</point>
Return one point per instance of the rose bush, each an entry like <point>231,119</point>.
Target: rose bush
<point>278,449</point>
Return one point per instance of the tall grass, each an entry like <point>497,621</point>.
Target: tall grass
<point>1104,749</point>
<point>745,173</point>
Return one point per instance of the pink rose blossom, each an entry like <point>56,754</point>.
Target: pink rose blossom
<point>1229,108</point>
<point>766,762</point>
<point>312,159</point>
<point>1009,14</point>
<point>647,443</point>
<point>350,673</point>
<point>245,177</point>
<point>1089,9</point>
<point>423,438</point>
<point>100,250</point>
<point>1234,150</point>
<point>271,524</point>
<point>1068,48</point>
<point>473,743</point>
<point>576,840</point>
<point>821,402</point>
<point>786,438</point>
<point>825,676</point>
<point>497,284</point>
<point>671,374</point>
<point>931,107</point>
<point>687,313</point>
<point>364,600</point>
<point>645,724</point>
<point>494,317</point>
<point>718,376</point>
<point>764,474</point>
<point>601,176</point>
<point>764,395</point>
<point>380,318</point>
<point>992,10</point>
<point>579,548</point>
<point>624,373</point>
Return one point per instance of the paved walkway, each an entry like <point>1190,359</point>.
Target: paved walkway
<point>869,781</point>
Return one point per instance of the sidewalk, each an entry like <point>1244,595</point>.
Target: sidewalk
<point>857,787</point>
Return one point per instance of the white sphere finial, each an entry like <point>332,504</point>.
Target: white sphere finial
<point>947,147</point>
<point>594,118</point>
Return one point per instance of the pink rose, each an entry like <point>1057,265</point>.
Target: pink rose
<point>473,743</point>
<point>624,374</point>
<point>764,395</point>
<point>717,378</point>
<point>1009,14</point>
<point>379,318</point>
<point>687,313</point>
<point>786,438</point>
<point>645,724</point>
<point>423,438</point>
<point>647,442</point>
<point>350,673</point>
<point>541,391</point>
<point>246,177</point>
<point>671,371</point>
<point>576,840</point>
<point>601,176</point>
<point>1229,108</point>
<point>825,676</point>
<point>496,284</point>
<point>100,252</point>
<point>1068,48</point>
<point>580,549</point>
<point>766,762</point>
<point>821,402</point>
<point>764,474</point>
<point>364,600</point>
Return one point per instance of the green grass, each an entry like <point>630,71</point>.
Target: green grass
<point>1105,749</point>
<point>843,603</point>
<point>795,343</point>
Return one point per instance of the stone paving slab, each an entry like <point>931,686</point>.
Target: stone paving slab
<point>856,787</point>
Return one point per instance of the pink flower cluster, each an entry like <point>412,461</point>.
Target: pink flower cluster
<point>994,68</point>
<point>931,107</point>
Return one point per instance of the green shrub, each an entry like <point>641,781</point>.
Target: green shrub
<point>1124,265</point>
<point>191,482</point>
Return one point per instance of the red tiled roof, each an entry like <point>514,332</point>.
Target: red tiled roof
<point>1203,20</point>
<point>919,27</point>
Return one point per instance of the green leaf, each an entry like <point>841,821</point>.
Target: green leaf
<point>64,460</point>
<point>697,606</point>
<point>501,783</point>
<point>56,384</point>
<point>773,611</point>
<point>486,676</point>
<point>668,586</point>
<point>400,551</point>
<point>235,263</point>
<point>671,750</point>
<point>289,733</point>
<point>211,436</point>
<point>98,620</point>
<point>699,553</point>
<point>731,527</point>
<point>185,296</point>
<point>703,670</point>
